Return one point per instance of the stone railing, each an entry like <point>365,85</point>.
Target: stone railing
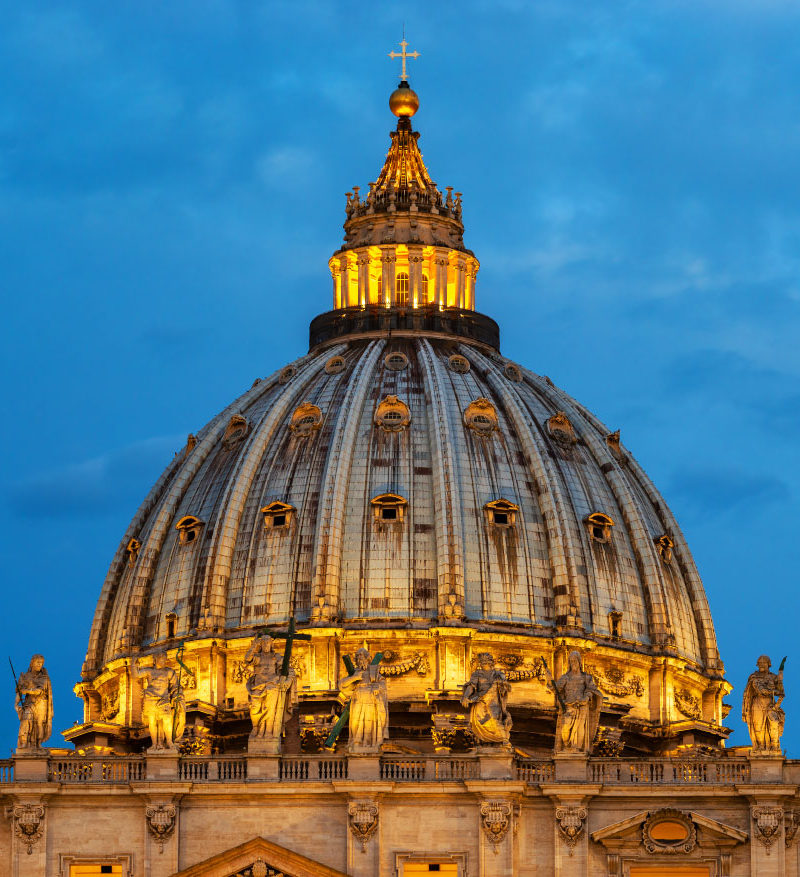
<point>532,771</point>
<point>96,770</point>
<point>419,770</point>
<point>213,769</point>
<point>310,769</point>
<point>666,771</point>
<point>6,771</point>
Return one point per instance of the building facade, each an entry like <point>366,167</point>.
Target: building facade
<point>403,607</point>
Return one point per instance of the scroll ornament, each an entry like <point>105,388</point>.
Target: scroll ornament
<point>28,820</point>
<point>161,820</point>
<point>570,824</point>
<point>495,821</point>
<point>363,818</point>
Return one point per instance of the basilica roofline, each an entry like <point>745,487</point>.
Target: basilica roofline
<point>432,321</point>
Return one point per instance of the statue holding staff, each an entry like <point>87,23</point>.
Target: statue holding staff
<point>272,691</point>
<point>486,694</point>
<point>761,706</point>
<point>163,703</point>
<point>579,702</point>
<point>365,692</point>
<point>34,705</point>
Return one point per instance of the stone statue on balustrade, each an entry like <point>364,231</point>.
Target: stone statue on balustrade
<point>272,694</point>
<point>34,705</point>
<point>365,692</point>
<point>163,702</point>
<point>761,707</point>
<point>579,701</point>
<point>486,694</point>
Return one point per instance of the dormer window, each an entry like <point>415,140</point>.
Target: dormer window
<point>306,419</point>
<point>561,429</point>
<point>287,374</point>
<point>512,372</point>
<point>612,442</point>
<point>389,507</point>
<point>335,365</point>
<point>278,515</point>
<point>392,414</point>
<point>133,550</point>
<point>172,620</point>
<point>401,289</point>
<point>481,417</point>
<point>599,527</point>
<point>458,363</point>
<point>664,546</point>
<point>188,529</point>
<point>501,512</point>
<point>235,431</point>
<point>615,623</point>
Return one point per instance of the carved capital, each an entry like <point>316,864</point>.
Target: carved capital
<point>363,819</point>
<point>767,823</point>
<point>28,822</point>
<point>495,821</point>
<point>161,820</point>
<point>571,822</point>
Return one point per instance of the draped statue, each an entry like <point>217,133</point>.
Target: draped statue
<point>34,705</point>
<point>761,706</point>
<point>365,690</point>
<point>579,701</point>
<point>163,703</point>
<point>486,694</point>
<point>273,696</point>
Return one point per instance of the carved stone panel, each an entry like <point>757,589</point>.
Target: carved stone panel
<point>28,822</point>
<point>495,821</point>
<point>767,822</point>
<point>363,819</point>
<point>161,820</point>
<point>571,822</point>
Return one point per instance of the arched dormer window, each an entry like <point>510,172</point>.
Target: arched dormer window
<point>501,512</point>
<point>278,515</point>
<point>188,529</point>
<point>235,431</point>
<point>401,289</point>
<point>389,508</point>
<point>599,527</point>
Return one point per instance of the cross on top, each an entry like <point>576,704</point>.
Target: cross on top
<point>404,54</point>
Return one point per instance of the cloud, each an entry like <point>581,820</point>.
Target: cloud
<point>95,486</point>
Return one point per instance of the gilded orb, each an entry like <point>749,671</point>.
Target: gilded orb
<point>404,101</point>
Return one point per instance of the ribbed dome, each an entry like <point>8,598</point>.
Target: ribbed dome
<point>284,506</point>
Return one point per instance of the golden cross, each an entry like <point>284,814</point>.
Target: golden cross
<point>404,54</point>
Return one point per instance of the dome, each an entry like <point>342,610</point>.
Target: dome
<point>405,486</point>
<point>449,427</point>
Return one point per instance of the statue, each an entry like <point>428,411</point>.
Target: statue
<point>579,702</point>
<point>486,694</point>
<point>273,695</point>
<point>163,704</point>
<point>34,705</point>
<point>365,690</point>
<point>761,706</point>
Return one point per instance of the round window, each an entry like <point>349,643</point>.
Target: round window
<point>335,365</point>
<point>459,363</point>
<point>306,419</point>
<point>287,374</point>
<point>392,414</point>
<point>512,372</point>
<point>481,417</point>
<point>396,361</point>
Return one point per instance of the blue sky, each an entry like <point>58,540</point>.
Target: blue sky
<point>172,182</point>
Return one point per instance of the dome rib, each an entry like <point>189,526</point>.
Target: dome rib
<point>329,528</point>
<point>221,556</point>
<point>447,506</point>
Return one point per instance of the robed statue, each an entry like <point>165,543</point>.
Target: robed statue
<point>272,695</point>
<point>163,702</point>
<point>579,701</point>
<point>34,705</point>
<point>365,691</point>
<point>761,706</point>
<point>486,695</point>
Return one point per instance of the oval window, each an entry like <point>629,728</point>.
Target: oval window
<point>669,831</point>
